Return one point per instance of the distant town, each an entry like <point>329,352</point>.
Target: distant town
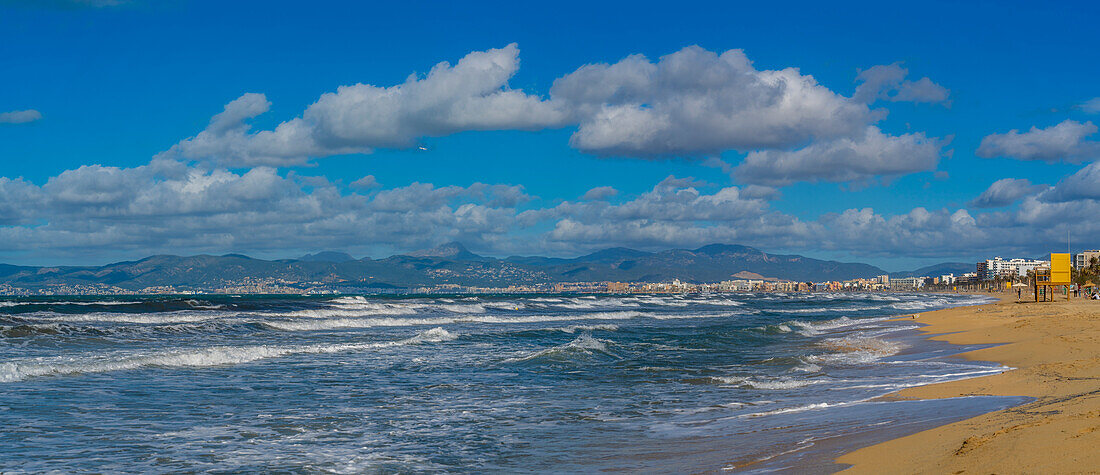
<point>988,274</point>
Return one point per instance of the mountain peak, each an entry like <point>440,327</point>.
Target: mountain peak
<point>451,250</point>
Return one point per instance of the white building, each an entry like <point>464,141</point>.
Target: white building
<point>1023,266</point>
<point>1012,267</point>
<point>906,283</point>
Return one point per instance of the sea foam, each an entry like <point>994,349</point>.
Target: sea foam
<point>20,370</point>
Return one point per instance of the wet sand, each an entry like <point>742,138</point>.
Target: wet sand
<point>1055,348</point>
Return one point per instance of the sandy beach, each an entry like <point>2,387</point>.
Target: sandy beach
<point>1055,348</point>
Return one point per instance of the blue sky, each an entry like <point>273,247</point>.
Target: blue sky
<point>118,83</point>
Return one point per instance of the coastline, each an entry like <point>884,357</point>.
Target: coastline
<point>1055,350</point>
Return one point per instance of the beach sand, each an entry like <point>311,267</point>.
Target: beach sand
<point>1055,348</point>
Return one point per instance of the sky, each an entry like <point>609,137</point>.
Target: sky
<point>857,131</point>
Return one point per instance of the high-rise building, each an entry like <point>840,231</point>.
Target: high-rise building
<point>982,270</point>
<point>1082,260</point>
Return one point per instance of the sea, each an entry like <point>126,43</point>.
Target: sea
<point>561,383</point>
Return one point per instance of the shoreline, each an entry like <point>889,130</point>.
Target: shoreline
<point>1055,350</point>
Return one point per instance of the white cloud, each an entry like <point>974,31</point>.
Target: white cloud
<point>690,103</point>
<point>1066,141</point>
<point>1091,106</point>
<point>20,117</point>
<point>1083,185</point>
<point>697,102</point>
<point>366,182</point>
<point>1004,192</point>
<point>873,155</point>
<point>470,95</point>
<point>19,201</point>
<point>672,181</point>
<point>919,232</point>
<point>760,191</point>
<point>167,206</point>
<point>887,82</point>
<point>599,193</point>
<point>673,213</point>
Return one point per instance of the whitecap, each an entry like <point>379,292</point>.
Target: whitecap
<point>20,370</point>
<point>855,350</point>
<point>603,327</point>
<point>767,384</point>
<point>361,312</point>
<point>141,318</point>
<point>464,308</point>
<point>584,344</point>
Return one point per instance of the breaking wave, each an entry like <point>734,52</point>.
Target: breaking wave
<point>855,350</point>
<point>142,318</point>
<point>762,383</point>
<point>582,345</point>
<point>200,357</point>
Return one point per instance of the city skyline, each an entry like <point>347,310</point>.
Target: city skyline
<point>191,127</point>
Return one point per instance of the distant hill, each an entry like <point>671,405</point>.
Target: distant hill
<point>957,268</point>
<point>450,263</point>
<point>451,250</point>
<point>327,256</point>
<point>713,263</point>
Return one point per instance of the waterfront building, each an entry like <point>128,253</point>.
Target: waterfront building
<point>981,271</point>
<point>1083,259</point>
<point>906,283</point>
<point>999,267</point>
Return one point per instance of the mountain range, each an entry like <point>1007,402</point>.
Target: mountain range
<point>450,263</point>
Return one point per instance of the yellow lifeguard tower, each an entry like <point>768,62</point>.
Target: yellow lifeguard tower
<point>1057,274</point>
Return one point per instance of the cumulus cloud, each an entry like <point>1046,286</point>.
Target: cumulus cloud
<point>19,200</point>
<point>470,95</point>
<point>1066,141</point>
<point>1083,185</point>
<point>20,117</point>
<point>168,206</point>
<point>887,82</point>
<point>698,102</point>
<point>684,217</point>
<point>672,181</point>
<point>919,232</point>
<point>673,213</point>
<point>871,155</point>
<point>600,193</point>
<point>760,191</point>
<point>1004,192</point>
<point>691,103</point>
<point>366,182</point>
